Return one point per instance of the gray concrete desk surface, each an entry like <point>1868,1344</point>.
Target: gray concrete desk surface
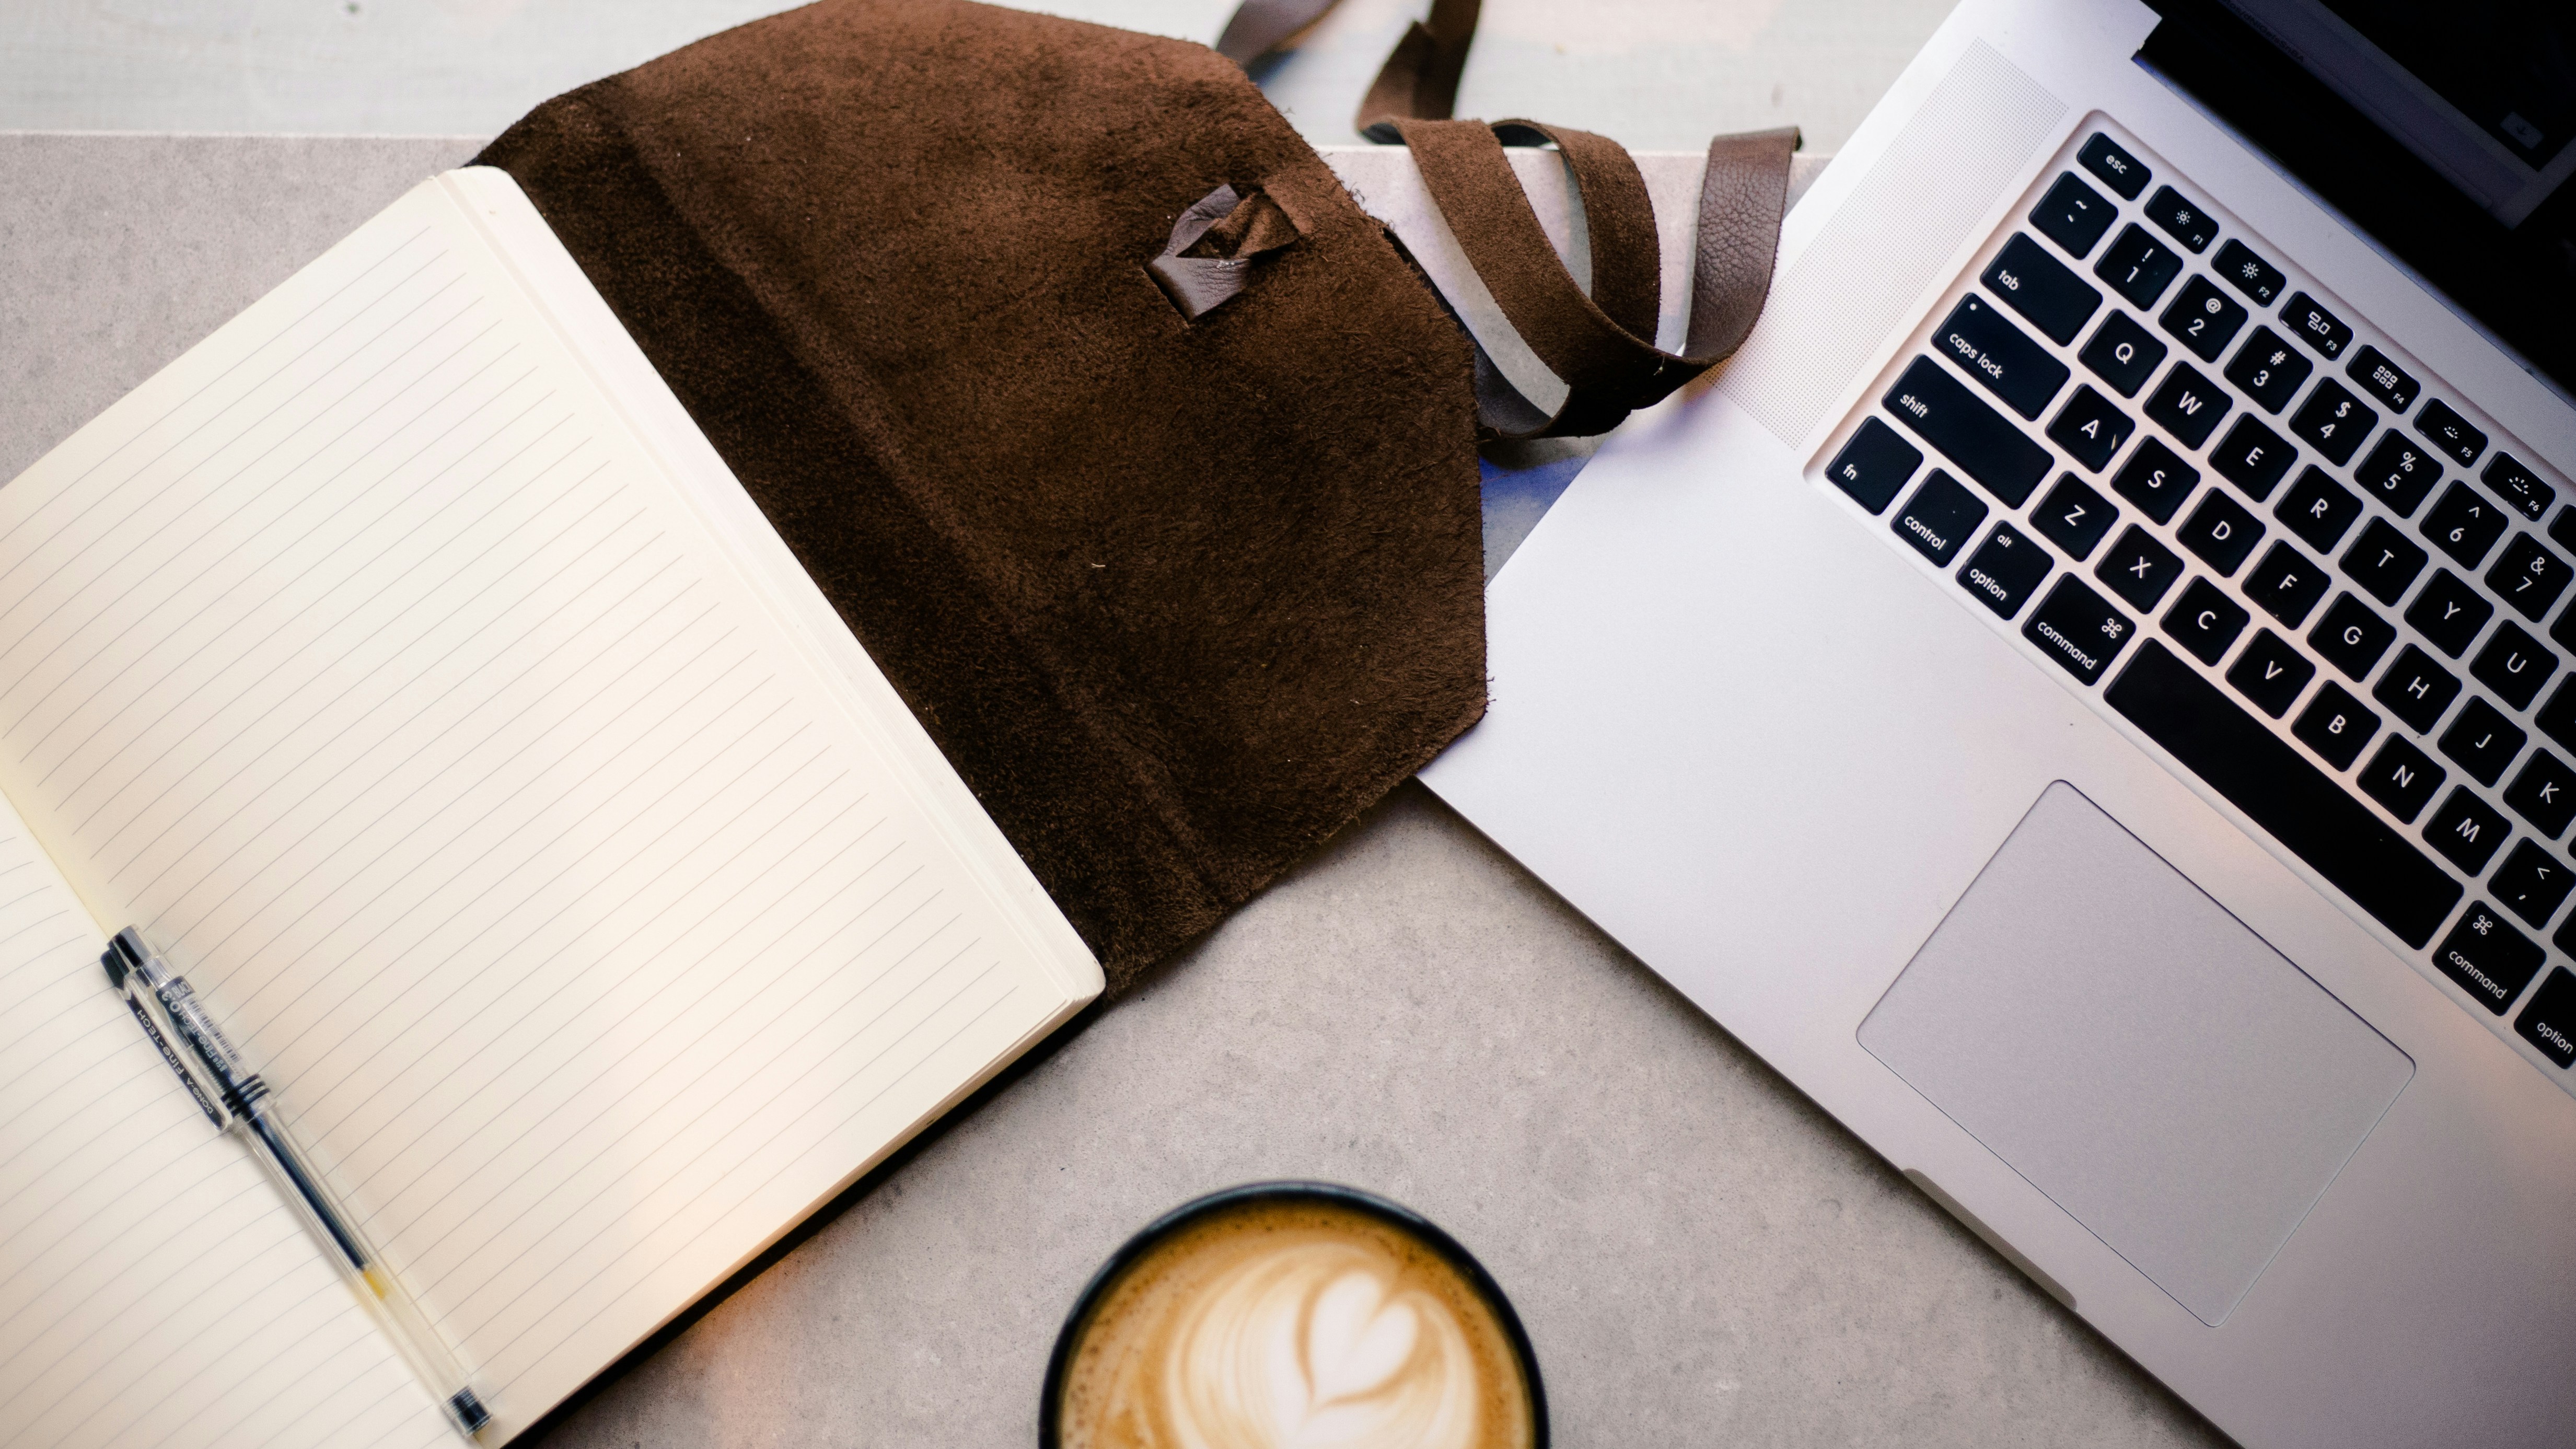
<point>1657,74</point>
<point>1701,1256</point>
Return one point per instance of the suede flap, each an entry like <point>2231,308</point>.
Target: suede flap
<point>1178,598</point>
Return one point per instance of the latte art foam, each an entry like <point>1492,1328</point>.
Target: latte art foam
<point>1293,1326</point>
<point>1316,1345</point>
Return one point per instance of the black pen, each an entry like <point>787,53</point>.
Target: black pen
<point>236,1100</point>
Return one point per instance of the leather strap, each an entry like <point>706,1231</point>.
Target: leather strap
<point>1259,27</point>
<point>1419,79</point>
<point>1602,345</point>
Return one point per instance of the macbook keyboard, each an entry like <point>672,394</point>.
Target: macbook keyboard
<point>2242,520</point>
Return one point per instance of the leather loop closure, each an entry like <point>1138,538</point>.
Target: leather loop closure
<point>1602,344</point>
<point>1213,246</point>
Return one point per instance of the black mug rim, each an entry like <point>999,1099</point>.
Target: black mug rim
<point>1370,1204</point>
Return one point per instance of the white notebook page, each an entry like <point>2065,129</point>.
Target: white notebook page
<point>368,661</point>
<point>153,1288</point>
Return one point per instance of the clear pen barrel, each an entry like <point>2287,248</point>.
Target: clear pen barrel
<point>239,1102</point>
<point>400,1315</point>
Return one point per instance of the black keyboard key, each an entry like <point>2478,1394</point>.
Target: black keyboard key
<point>2188,405</point>
<point>2332,421</point>
<point>2248,273</point>
<point>2315,326</point>
<point>2531,883</point>
<point>2119,170</point>
<point>2335,725</point>
<point>1874,465</point>
<point>2268,370</point>
<point>2078,628</point>
<point>2482,741</point>
<point>2139,267</point>
<point>2557,719</point>
<point>2451,435</point>
<point>1965,428</point>
<point>2449,613</point>
<point>2513,665</point>
<point>2090,429</point>
<point>2222,532</point>
<point>2073,215</point>
<point>2005,570</point>
<point>2528,577</point>
<point>2351,637</point>
<point>2489,959</point>
<point>2464,525</point>
<point>2073,517</point>
<point>2398,474</point>
<point>2544,794</point>
<point>2205,621</point>
<point>2317,509</point>
<point>2123,353</point>
<point>2392,385</point>
<point>1940,515</point>
<point>2204,319</point>
<point>2383,561</point>
<point>2181,220</point>
<point>2564,631</point>
<point>2466,830</point>
<point>2549,1022</point>
<point>2401,777</point>
<point>2138,568</point>
<point>2521,490</point>
<point>2271,673</point>
<point>2562,529</point>
<point>2416,689</point>
<point>2286,585</point>
<point>1998,357</point>
<point>2301,806</point>
<point>2253,457</point>
<point>2041,288</point>
<point>2156,479</point>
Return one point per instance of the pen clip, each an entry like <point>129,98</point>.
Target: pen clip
<point>161,1043</point>
<point>131,973</point>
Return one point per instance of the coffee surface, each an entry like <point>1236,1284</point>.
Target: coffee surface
<point>1293,1324</point>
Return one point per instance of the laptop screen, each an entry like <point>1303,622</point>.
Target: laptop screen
<point>2443,131</point>
<point>2485,93</point>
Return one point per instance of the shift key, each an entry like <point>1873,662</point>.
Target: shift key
<point>1982,442</point>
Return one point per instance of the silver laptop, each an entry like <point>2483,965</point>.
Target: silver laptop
<point>2087,695</point>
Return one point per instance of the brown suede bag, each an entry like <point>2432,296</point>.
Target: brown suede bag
<point>1138,457</point>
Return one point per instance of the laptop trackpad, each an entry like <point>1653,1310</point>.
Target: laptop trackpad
<point>2134,1051</point>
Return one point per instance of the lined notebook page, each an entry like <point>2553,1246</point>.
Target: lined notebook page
<point>153,1288</point>
<point>369,661</point>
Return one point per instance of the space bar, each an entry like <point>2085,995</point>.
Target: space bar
<point>2303,807</point>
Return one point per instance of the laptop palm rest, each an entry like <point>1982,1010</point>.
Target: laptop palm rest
<point>2136,1053</point>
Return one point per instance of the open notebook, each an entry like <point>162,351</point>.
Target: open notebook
<point>408,668</point>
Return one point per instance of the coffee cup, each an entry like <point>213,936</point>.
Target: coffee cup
<point>1283,1315</point>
